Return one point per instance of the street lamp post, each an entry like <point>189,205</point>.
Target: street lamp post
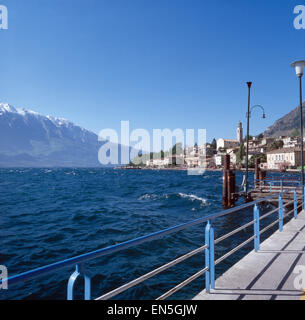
<point>299,69</point>
<point>247,150</point>
<point>248,117</point>
<point>248,132</point>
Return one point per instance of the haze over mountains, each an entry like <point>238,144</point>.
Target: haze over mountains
<point>29,139</point>
<point>287,124</point>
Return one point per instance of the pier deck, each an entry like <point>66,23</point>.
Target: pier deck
<point>267,274</point>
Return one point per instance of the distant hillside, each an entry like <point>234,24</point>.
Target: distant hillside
<point>29,139</point>
<point>287,124</point>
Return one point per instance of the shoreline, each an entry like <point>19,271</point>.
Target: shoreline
<point>173,169</point>
<point>207,170</point>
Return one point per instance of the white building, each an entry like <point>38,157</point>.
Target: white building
<point>219,160</point>
<point>266,141</point>
<point>192,162</point>
<point>287,157</point>
<point>227,144</point>
<point>290,142</point>
<point>157,162</point>
<point>233,155</point>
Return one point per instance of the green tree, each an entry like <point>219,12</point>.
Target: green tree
<point>262,157</point>
<point>214,144</point>
<point>276,145</point>
<point>240,154</point>
<point>250,137</point>
<point>177,149</point>
<point>295,132</point>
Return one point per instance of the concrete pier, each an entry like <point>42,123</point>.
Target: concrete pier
<point>267,274</point>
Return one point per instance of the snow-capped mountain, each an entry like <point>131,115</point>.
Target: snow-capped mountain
<point>31,139</point>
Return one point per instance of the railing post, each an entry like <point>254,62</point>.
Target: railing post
<point>212,259</point>
<point>281,186</point>
<point>256,228</point>
<point>79,271</point>
<point>271,183</point>
<point>295,204</point>
<point>280,212</point>
<point>207,258</point>
<point>304,200</point>
<point>87,287</point>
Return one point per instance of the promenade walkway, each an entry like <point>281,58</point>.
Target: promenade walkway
<point>269,273</point>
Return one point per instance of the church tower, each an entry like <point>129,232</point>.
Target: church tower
<point>240,133</point>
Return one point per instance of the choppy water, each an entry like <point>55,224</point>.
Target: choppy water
<point>47,215</point>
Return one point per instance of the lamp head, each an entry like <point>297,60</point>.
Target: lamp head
<point>264,116</point>
<point>299,67</point>
<point>249,84</point>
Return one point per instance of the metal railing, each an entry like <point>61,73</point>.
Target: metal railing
<point>276,184</point>
<point>208,248</point>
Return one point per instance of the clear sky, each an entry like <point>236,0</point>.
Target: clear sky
<point>157,63</point>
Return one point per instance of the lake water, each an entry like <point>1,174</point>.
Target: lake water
<point>47,215</point>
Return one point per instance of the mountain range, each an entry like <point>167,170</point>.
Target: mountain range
<point>29,139</point>
<point>287,125</point>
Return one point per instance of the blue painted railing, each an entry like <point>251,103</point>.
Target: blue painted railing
<point>275,184</point>
<point>208,248</point>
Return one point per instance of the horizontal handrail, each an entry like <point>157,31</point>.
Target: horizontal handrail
<point>227,255</point>
<point>269,213</point>
<point>279,179</point>
<point>295,201</point>
<point>228,235</point>
<point>278,182</point>
<point>288,204</point>
<point>151,274</point>
<point>276,221</point>
<point>183,284</point>
<point>269,226</point>
<point>288,213</point>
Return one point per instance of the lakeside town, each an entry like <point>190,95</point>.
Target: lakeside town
<point>279,154</point>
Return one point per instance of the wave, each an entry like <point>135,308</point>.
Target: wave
<point>193,197</point>
<point>148,196</point>
<point>73,173</point>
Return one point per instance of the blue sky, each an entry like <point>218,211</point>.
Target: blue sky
<point>157,63</point>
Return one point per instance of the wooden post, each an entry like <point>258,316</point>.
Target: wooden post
<point>231,188</point>
<point>225,189</point>
<point>257,172</point>
<point>234,187</point>
<point>226,167</point>
<point>228,197</point>
<point>262,177</point>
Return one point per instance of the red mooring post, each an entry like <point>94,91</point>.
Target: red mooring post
<point>257,173</point>
<point>262,177</point>
<point>228,191</point>
<point>226,167</point>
